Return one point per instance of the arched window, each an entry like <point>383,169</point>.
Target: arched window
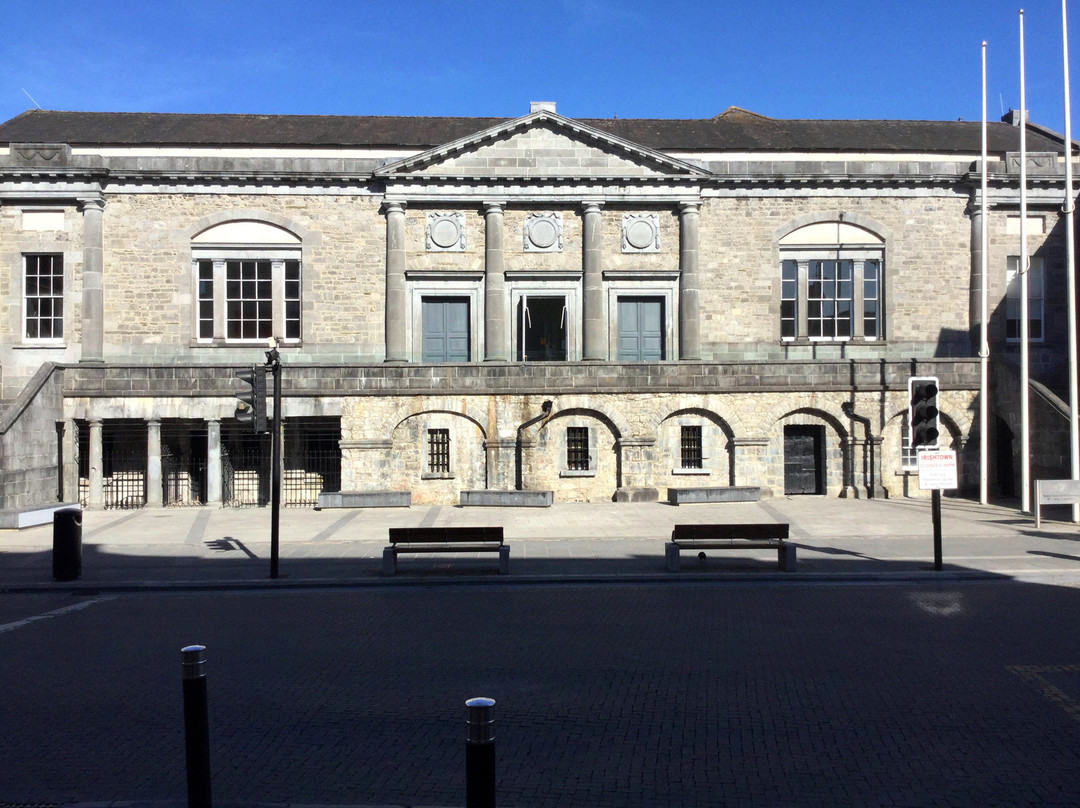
<point>247,281</point>
<point>831,279</point>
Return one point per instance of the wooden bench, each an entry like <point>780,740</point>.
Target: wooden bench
<point>445,540</point>
<point>766,535</point>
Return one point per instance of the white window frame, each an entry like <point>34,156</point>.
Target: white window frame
<point>1036,297</point>
<point>219,256</point>
<point>55,298</point>
<point>858,257</point>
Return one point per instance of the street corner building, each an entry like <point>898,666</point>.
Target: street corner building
<point>516,310</point>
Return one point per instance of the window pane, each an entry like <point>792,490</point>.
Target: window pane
<point>577,448</point>
<point>690,447</point>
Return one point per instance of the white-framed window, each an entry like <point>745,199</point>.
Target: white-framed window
<point>832,283</point>
<point>1036,297</point>
<point>642,312</point>
<point>248,283</point>
<point>248,298</point>
<point>43,297</point>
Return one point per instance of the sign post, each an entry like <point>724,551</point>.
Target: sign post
<point>937,471</point>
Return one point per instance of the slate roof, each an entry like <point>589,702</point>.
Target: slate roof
<point>733,130</point>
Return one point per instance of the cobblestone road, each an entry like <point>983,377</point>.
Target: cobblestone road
<point>683,694</point>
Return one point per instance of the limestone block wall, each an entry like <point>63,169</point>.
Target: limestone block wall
<point>149,286</point>
<point>19,358</point>
<point>927,267</point>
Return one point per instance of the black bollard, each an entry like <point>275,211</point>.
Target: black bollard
<point>196,726</point>
<point>480,753</point>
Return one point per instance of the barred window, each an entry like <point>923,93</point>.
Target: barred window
<point>577,448</point>
<point>43,297</point>
<point>690,448</point>
<point>439,451</point>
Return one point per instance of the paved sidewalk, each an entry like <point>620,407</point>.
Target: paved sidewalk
<point>836,539</point>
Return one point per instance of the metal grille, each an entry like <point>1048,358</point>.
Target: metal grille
<point>312,460</point>
<point>245,475</point>
<point>691,447</point>
<point>439,451</point>
<point>577,448</point>
<point>123,460</point>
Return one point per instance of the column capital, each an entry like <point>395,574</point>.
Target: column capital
<point>592,206</point>
<point>689,206</point>
<point>394,206</point>
<point>88,203</point>
<point>493,205</point>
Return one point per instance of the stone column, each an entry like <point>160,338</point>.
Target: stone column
<point>96,497</point>
<point>501,463</point>
<point>689,283</point>
<point>397,304</point>
<point>977,281</point>
<point>877,484</point>
<point>637,458</point>
<point>213,462</point>
<point>153,463</point>
<point>751,463</point>
<point>595,331</point>
<point>93,296</point>
<point>496,334</point>
<point>69,471</point>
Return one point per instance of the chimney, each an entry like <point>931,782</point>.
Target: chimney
<point>541,106</point>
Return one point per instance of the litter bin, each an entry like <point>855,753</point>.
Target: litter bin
<point>67,544</point>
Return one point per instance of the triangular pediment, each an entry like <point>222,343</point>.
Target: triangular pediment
<point>543,145</point>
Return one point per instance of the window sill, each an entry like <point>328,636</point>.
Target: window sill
<point>441,475</point>
<point>692,472</point>
<point>577,473</point>
<point>37,346</point>
<point>255,343</point>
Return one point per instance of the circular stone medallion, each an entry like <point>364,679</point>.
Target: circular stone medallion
<point>640,234</point>
<point>445,233</point>
<point>543,233</point>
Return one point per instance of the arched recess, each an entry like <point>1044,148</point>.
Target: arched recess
<point>832,279</point>
<point>813,454</point>
<point>696,444</point>
<point>249,273</point>
<point>436,454</point>
<point>575,456</point>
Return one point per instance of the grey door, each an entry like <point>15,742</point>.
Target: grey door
<point>640,329</point>
<point>445,334</point>
<point>804,459</point>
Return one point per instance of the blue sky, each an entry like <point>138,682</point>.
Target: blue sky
<point>916,59</point>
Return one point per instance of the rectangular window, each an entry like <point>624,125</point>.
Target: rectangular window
<point>249,300</point>
<point>871,298</point>
<point>577,448</point>
<point>43,297</point>
<point>205,299</point>
<point>837,298</point>
<point>789,299</point>
<point>439,451</point>
<point>690,447</point>
<point>1035,300</point>
<point>292,300</point>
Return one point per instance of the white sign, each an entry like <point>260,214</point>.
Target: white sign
<point>937,469</point>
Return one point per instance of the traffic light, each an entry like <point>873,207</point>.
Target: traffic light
<point>923,412</point>
<point>252,409</point>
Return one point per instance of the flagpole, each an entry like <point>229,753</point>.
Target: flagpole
<point>984,340</point>
<point>1022,271</point>
<point>1070,250</point>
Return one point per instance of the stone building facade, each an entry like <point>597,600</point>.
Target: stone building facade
<point>590,309</point>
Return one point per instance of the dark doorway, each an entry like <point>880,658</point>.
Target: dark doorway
<point>1005,475</point>
<point>804,459</point>
<point>541,329</point>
